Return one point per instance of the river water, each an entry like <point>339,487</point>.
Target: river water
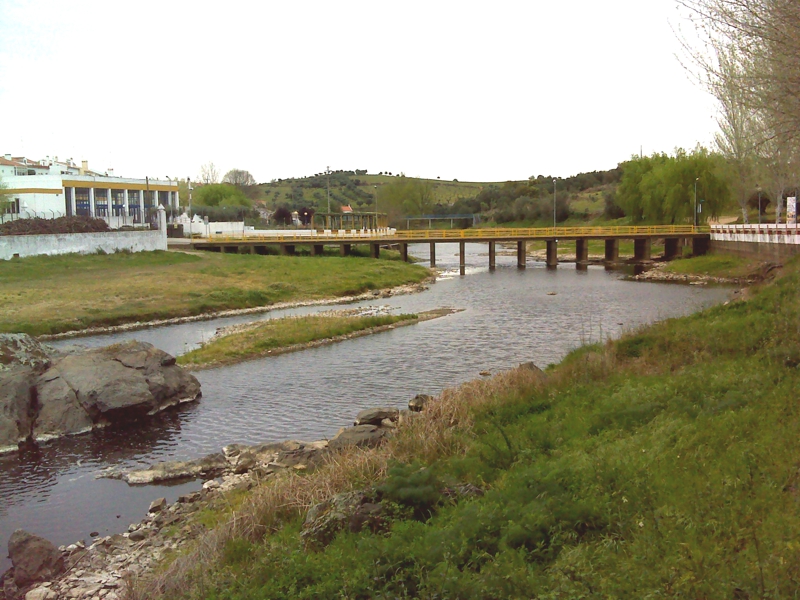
<point>510,316</point>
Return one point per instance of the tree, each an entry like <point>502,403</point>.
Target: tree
<point>239,178</point>
<point>220,194</point>
<point>4,199</point>
<point>209,173</point>
<point>306,215</point>
<point>282,215</point>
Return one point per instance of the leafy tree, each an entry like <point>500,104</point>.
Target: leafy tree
<point>239,178</point>
<point>282,215</point>
<point>660,188</point>
<point>220,194</point>
<point>306,214</point>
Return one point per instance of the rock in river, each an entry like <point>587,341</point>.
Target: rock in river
<point>46,394</point>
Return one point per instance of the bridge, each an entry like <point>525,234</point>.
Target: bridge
<point>673,235</point>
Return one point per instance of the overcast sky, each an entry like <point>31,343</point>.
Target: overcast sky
<point>479,91</point>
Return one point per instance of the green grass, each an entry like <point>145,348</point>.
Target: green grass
<point>281,333</point>
<point>661,465</point>
<point>715,265</point>
<point>45,295</point>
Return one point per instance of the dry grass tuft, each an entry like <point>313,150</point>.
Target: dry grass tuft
<point>443,430</point>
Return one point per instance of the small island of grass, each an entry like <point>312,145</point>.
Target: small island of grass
<point>290,334</point>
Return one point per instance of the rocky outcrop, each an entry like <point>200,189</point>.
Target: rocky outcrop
<point>419,402</point>
<point>363,436</point>
<point>351,511</point>
<point>46,394</point>
<point>375,416</point>
<point>33,559</point>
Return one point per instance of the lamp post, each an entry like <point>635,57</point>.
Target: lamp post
<point>189,185</point>
<point>554,203</point>
<point>695,201</point>
<point>328,174</point>
<point>376,208</point>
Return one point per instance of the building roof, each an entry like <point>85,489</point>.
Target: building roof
<point>347,208</point>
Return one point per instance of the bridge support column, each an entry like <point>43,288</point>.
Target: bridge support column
<point>317,249</point>
<point>375,250</point>
<point>641,249</point>
<point>492,261</point>
<point>612,251</point>
<point>345,249</point>
<point>552,253</point>
<point>251,249</point>
<point>287,249</point>
<point>521,248</point>
<point>462,258</point>
<point>404,252</point>
<point>433,254</point>
<point>581,251</point>
<point>672,248</point>
<point>700,245</point>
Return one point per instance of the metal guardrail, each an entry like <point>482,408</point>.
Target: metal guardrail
<point>499,233</point>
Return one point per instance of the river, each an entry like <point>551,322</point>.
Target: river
<point>510,316</point>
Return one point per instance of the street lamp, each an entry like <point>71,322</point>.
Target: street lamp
<point>189,185</point>
<point>328,174</point>
<point>695,201</point>
<point>376,207</point>
<point>554,203</point>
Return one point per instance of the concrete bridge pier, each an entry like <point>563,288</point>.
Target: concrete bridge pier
<point>581,252</point>
<point>521,255</point>
<point>287,249</point>
<point>700,245</point>
<point>672,248</point>
<point>492,261</point>
<point>552,253</point>
<point>375,250</point>
<point>612,251</point>
<point>317,249</point>
<point>462,258</point>
<point>404,252</point>
<point>641,249</point>
<point>345,249</point>
<point>433,254</point>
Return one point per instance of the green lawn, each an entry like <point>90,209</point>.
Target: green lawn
<point>43,295</point>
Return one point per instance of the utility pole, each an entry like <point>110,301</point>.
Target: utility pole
<point>695,201</point>
<point>554,203</point>
<point>328,173</point>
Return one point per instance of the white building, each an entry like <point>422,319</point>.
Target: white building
<point>51,189</point>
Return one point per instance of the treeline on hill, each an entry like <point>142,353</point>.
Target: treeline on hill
<point>346,189</point>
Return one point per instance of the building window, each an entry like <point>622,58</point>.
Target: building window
<point>149,199</point>
<point>12,208</point>
<point>82,206</point>
<point>100,203</point>
<point>68,201</point>
<point>118,202</point>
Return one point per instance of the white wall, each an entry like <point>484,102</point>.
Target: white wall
<point>767,233</point>
<point>81,243</point>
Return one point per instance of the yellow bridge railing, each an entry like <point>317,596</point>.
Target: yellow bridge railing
<point>498,233</point>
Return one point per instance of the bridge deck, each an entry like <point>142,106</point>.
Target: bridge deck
<point>459,235</point>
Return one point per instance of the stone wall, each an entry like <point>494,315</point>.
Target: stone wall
<point>81,243</point>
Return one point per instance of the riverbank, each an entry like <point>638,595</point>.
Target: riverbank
<point>97,293</point>
<point>719,269</point>
<point>627,441</point>
<point>247,341</point>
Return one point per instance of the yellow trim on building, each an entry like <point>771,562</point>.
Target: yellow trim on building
<point>103,185</point>
<point>55,191</point>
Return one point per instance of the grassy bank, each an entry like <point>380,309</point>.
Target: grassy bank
<point>716,265</point>
<point>42,295</point>
<point>279,334</point>
<point>663,464</point>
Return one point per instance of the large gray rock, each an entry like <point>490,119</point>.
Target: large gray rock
<point>34,558</point>
<point>16,405</point>
<point>46,393</point>
<point>60,413</point>
<point>365,436</point>
<point>374,416</point>
<point>22,349</point>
